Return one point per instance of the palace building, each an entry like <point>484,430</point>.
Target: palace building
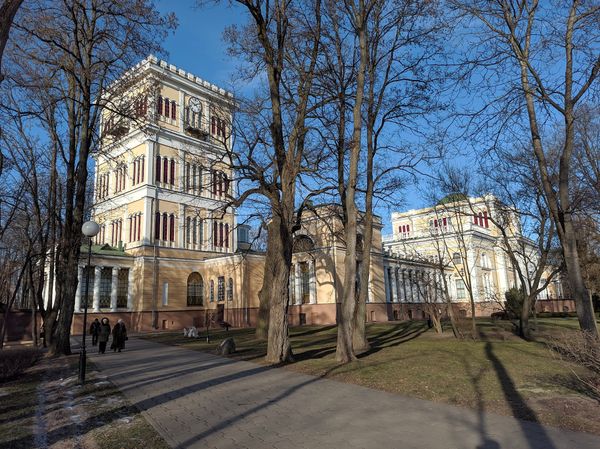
<point>171,254</point>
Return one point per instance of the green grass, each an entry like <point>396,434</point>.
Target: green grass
<point>499,373</point>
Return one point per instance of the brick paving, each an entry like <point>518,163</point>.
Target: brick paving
<point>198,400</point>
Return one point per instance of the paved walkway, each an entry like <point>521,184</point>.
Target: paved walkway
<point>198,400</point>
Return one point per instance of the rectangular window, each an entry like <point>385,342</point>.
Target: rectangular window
<point>460,289</point>
<point>105,287</point>
<point>122,288</point>
<point>305,282</point>
<point>90,290</point>
<point>221,288</point>
<point>165,297</point>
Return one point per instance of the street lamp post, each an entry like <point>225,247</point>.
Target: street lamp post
<point>90,229</point>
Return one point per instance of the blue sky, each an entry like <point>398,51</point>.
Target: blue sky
<point>197,46</point>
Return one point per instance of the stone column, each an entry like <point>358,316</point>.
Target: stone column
<point>312,283</point>
<point>394,285</point>
<point>471,257</point>
<point>403,285</point>
<point>130,286</point>
<point>386,280</point>
<point>411,281</point>
<point>114,289</point>
<point>298,282</point>
<point>181,227</point>
<point>149,163</point>
<point>97,278</point>
<point>502,272</point>
<point>78,292</point>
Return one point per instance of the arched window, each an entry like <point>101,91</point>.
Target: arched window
<point>141,171</point>
<point>215,231</point>
<point>164,226</point>
<point>157,169</point>
<point>172,228</point>
<point>456,259</point>
<point>221,235</point>
<point>166,107</point>
<point>476,219</point>
<point>230,289</point>
<point>165,170</point>
<point>159,105</point>
<point>172,180</point>
<point>212,290</point>
<point>485,219</point>
<point>173,110</point>
<point>226,235</point>
<point>157,225</point>
<point>302,243</point>
<point>195,290</point>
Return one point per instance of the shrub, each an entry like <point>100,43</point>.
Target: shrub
<point>582,348</point>
<point>14,361</point>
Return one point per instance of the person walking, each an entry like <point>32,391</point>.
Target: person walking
<point>103,335</point>
<point>94,331</point>
<point>119,334</point>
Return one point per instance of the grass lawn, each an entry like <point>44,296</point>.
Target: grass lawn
<point>500,373</point>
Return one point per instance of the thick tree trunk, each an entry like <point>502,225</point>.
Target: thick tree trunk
<point>279,260</point>
<point>525,331</point>
<point>7,13</point>
<point>262,324</point>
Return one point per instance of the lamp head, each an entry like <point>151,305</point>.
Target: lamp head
<point>90,228</point>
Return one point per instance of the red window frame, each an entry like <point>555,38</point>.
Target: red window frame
<point>172,228</point>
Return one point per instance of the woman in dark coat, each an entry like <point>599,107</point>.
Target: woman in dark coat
<point>119,334</point>
<point>94,330</point>
<point>103,335</point>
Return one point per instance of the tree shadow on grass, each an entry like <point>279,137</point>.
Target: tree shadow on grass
<point>536,437</point>
<point>394,337</point>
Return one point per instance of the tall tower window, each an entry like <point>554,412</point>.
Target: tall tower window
<point>164,226</point>
<point>172,180</point>
<point>157,225</point>
<point>172,228</point>
<point>159,105</point>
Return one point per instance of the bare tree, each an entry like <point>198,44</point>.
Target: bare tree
<point>72,51</point>
<point>283,38</point>
<point>522,43</point>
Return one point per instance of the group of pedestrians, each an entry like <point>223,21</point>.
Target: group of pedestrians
<point>101,331</point>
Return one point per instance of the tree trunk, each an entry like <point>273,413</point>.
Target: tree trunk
<point>524,329</point>
<point>262,324</point>
<point>344,351</point>
<point>277,292</point>
<point>7,14</point>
